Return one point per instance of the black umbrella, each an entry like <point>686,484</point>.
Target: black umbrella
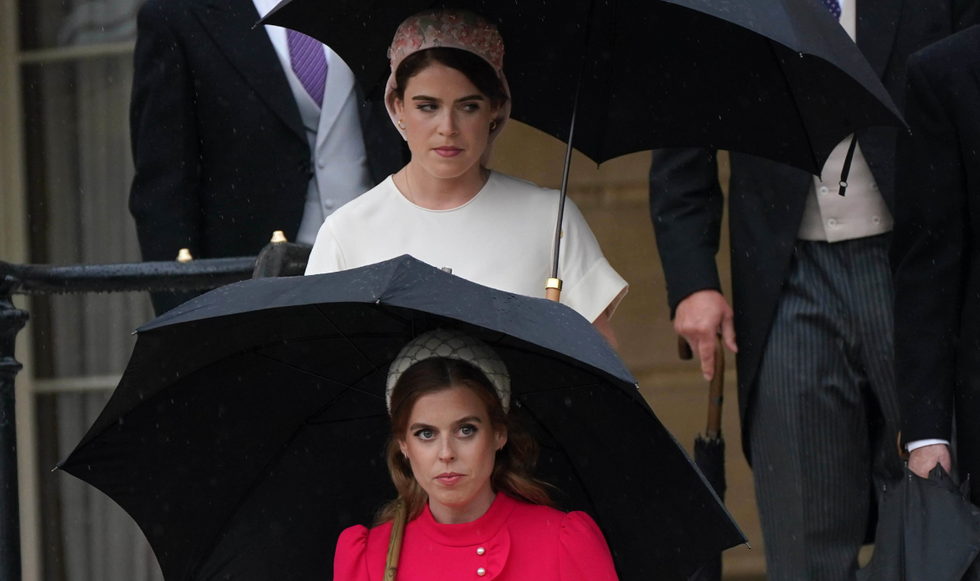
<point>927,529</point>
<point>709,449</point>
<point>249,427</point>
<point>775,78</point>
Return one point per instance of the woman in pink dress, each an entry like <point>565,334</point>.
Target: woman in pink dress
<point>462,467</point>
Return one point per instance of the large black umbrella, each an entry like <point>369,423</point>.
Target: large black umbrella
<point>927,529</point>
<point>249,427</point>
<point>774,78</point>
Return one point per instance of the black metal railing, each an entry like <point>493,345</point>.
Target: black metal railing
<point>276,259</point>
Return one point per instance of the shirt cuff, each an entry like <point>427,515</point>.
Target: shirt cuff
<point>923,443</point>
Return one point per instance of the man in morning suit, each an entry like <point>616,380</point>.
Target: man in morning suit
<point>936,255</point>
<point>238,132</point>
<point>812,308</point>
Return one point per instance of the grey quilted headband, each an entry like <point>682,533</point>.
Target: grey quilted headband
<point>457,345</point>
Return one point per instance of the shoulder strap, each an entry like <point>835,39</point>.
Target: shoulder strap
<point>395,545</point>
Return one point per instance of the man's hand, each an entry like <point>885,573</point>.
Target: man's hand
<point>923,460</point>
<point>699,319</point>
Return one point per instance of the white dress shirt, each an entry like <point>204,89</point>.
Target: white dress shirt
<point>338,158</point>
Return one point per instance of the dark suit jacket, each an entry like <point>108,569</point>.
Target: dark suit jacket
<point>221,155</point>
<point>936,249</point>
<point>767,199</point>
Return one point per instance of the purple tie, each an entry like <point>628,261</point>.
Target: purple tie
<point>832,5</point>
<point>310,64</point>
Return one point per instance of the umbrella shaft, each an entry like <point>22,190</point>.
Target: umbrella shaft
<point>564,182</point>
<point>716,393</point>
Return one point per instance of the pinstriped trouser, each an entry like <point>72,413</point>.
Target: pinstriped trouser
<point>825,415</point>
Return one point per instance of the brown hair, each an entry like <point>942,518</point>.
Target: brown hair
<point>477,70</point>
<point>514,462</point>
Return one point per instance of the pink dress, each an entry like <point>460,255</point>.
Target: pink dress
<point>513,541</point>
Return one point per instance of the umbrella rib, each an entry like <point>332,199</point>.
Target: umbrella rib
<point>580,386</point>
<point>560,357</point>
<point>327,379</point>
<point>273,460</point>
<point>346,338</point>
<point>564,453</point>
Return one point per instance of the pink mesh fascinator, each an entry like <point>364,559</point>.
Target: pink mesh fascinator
<point>449,29</point>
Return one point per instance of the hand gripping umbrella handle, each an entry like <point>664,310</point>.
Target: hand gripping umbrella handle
<point>395,545</point>
<point>716,390</point>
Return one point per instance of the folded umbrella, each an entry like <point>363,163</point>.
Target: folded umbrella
<point>927,529</point>
<point>249,428</point>
<point>709,449</point>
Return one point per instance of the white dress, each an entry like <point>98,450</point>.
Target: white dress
<point>502,238</point>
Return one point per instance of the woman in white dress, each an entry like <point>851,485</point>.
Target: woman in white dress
<point>448,97</point>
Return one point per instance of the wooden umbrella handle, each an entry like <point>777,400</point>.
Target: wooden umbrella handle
<point>552,289</point>
<point>716,394</point>
<point>716,390</point>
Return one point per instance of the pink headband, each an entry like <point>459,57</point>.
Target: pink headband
<point>449,29</point>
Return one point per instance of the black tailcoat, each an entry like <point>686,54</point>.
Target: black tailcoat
<point>936,249</point>
<point>221,154</point>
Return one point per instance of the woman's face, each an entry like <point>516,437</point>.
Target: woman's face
<point>451,446</point>
<point>447,121</point>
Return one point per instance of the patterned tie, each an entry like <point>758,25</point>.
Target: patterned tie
<point>832,5</point>
<point>310,64</point>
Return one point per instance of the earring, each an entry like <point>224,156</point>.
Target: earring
<point>401,124</point>
<point>493,124</point>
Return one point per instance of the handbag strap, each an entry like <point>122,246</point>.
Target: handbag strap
<point>395,545</point>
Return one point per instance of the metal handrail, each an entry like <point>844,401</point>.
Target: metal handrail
<point>276,259</point>
<point>34,279</point>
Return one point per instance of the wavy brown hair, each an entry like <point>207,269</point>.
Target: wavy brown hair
<point>514,463</point>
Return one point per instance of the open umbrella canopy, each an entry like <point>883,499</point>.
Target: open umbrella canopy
<point>249,428</point>
<point>775,78</point>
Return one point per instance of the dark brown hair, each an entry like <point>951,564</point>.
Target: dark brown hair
<point>477,70</point>
<point>514,462</point>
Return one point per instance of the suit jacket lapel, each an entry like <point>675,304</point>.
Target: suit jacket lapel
<point>340,83</point>
<point>877,25</point>
<point>230,24</point>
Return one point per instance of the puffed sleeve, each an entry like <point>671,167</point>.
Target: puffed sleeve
<point>350,560</point>
<point>584,554</point>
<point>326,256</point>
<point>590,284</point>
